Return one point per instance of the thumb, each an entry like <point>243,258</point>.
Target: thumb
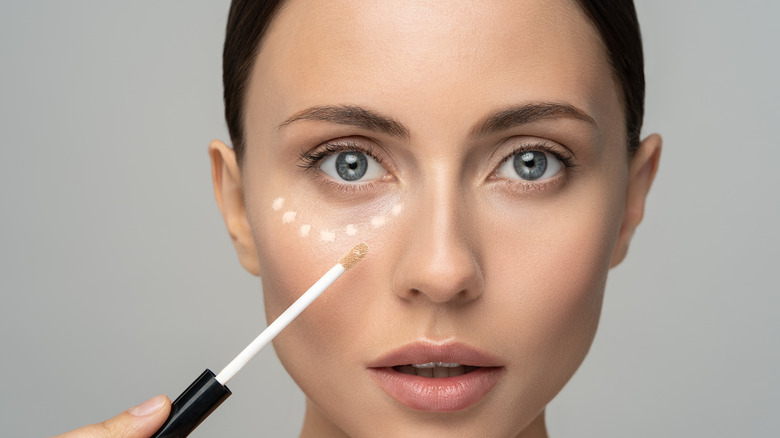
<point>138,422</point>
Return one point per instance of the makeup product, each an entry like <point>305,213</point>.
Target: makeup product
<point>208,391</point>
<point>291,216</point>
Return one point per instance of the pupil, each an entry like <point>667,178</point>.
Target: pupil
<point>351,165</point>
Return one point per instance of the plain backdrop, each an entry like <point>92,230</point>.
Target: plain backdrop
<point>119,280</point>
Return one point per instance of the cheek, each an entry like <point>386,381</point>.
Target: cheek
<point>298,239</point>
<point>548,282</point>
<point>546,268</point>
<point>560,282</point>
<point>331,335</point>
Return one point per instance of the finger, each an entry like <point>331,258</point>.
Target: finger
<point>138,422</point>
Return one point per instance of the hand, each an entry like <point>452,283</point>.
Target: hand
<point>137,422</point>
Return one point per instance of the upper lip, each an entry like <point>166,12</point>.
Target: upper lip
<point>425,351</point>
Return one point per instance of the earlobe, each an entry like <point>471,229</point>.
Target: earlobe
<point>644,165</point>
<point>229,194</point>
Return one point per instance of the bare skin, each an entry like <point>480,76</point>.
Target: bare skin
<point>467,251</point>
<point>137,422</point>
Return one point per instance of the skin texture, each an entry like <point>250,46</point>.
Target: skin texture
<point>137,422</point>
<point>514,268</point>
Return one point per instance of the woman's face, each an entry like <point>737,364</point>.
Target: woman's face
<point>479,150</point>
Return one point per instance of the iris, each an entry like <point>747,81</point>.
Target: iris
<point>351,165</point>
<point>530,165</point>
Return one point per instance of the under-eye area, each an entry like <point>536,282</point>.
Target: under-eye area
<point>301,224</point>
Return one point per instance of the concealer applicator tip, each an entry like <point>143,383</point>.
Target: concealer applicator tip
<point>355,255</point>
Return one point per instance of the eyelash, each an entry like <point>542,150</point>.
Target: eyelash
<point>566,158</point>
<point>310,159</point>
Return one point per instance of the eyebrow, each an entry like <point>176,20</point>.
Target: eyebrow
<point>527,113</point>
<point>351,115</point>
<point>360,117</point>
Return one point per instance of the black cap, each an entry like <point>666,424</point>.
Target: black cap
<point>193,406</point>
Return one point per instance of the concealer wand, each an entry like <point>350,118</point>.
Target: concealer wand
<point>208,391</point>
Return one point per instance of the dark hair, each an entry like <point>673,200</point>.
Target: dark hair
<point>618,26</point>
<point>615,20</point>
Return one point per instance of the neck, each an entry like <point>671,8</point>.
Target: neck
<point>316,424</point>
<point>537,428</point>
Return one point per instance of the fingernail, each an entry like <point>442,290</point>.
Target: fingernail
<point>148,407</point>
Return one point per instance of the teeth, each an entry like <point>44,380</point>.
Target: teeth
<point>436,364</point>
<point>436,370</point>
<point>407,369</point>
<point>441,372</point>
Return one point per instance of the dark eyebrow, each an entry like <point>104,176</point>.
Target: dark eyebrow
<point>527,113</point>
<point>351,115</point>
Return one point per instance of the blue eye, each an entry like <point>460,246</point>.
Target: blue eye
<point>530,166</point>
<point>352,166</point>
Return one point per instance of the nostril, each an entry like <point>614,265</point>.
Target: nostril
<point>438,264</point>
<point>463,295</point>
<point>439,296</point>
<point>409,295</point>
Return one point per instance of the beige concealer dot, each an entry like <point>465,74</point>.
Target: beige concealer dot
<point>304,230</point>
<point>351,230</point>
<point>289,216</point>
<point>378,221</point>
<point>327,236</point>
<point>397,209</point>
<point>277,204</point>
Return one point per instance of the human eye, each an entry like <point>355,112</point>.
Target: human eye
<point>345,162</point>
<point>534,163</point>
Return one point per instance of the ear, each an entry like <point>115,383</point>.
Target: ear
<point>644,165</point>
<point>228,190</point>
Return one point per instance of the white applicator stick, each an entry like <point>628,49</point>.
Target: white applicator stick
<point>208,391</point>
<point>243,358</point>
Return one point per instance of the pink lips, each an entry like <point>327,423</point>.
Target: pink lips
<point>440,394</point>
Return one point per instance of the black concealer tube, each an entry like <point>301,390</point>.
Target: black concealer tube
<point>196,403</point>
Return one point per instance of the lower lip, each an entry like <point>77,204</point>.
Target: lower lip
<point>437,394</point>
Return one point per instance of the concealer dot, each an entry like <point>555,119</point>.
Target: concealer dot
<point>327,236</point>
<point>330,235</point>
<point>378,221</point>
<point>289,216</point>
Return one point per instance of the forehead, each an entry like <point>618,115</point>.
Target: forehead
<point>413,55</point>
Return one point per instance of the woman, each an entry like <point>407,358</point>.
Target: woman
<point>489,155</point>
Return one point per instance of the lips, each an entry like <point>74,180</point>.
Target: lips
<point>436,377</point>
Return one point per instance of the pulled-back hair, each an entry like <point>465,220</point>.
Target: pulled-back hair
<point>615,20</point>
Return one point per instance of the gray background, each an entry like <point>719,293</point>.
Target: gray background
<point>112,251</point>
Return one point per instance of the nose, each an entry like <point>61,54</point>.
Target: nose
<point>439,263</point>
